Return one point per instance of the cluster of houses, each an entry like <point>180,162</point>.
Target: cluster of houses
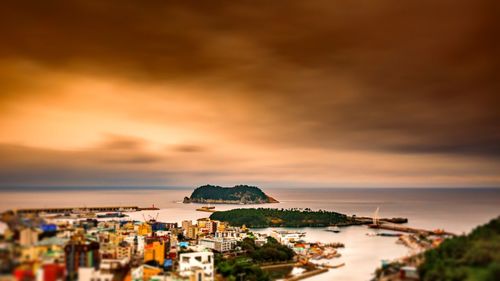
<point>34,248</point>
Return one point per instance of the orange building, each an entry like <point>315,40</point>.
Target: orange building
<point>144,229</point>
<point>155,251</point>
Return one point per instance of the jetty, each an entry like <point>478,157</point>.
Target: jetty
<point>393,224</point>
<point>437,232</point>
<point>307,274</point>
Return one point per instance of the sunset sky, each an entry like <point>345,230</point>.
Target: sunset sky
<point>272,93</point>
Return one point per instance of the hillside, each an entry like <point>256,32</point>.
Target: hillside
<point>472,257</point>
<point>264,217</point>
<point>239,194</point>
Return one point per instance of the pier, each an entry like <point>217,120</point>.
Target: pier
<point>410,229</point>
<point>308,274</point>
<point>72,209</point>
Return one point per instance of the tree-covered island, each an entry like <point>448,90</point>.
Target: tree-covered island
<point>266,217</point>
<point>239,194</point>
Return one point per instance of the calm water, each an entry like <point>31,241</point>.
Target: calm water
<point>456,210</point>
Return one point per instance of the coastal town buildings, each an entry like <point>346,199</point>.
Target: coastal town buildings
<point>192,232</point>
<point>220,245</point>
<point>116,249</point>
<point>155,251</point>
<point>199,265</point>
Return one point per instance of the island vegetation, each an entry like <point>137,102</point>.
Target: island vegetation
<point>247,264</point>
<point>266,217</point>
<point>239,194</point>
<point>468,257</point>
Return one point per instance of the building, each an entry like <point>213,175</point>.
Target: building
<point>80,253</point>
<point>222,226</point>
<point>108,250</point>
<point>145,273</point>
<point>192,232</point>
<point>212,226</point>
<point>199,265</point>
<point>136,242</point>
<point>149,271</point>
<point>220,245</point>
<point>155,251</point>
<point>203,222</point>
<point>408,273</point>
<point>227,234</point>
<point>144,229</point>
<point>170,225</point>
<point>186,224</point>
<point>92,274</point>
<point>51,272</point>
<point>124,250</point>
<point>28,237</point>
<point>119,269</point>
<point>109,270</point>
<point>287,238</point>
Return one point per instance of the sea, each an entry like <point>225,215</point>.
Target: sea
<point>457,210</point>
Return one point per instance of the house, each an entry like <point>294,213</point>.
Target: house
<point>197,265</point>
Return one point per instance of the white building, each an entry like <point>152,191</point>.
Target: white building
<point>227,234</point>
<point>218,244</point>
<point>136,246</point>
<point>199,265</point>
<point>163,233</point>
<point>90,274</point>
<point>3,227</point>
<point>288,238</point>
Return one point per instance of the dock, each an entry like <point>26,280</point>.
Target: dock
<point>307,274</point>
<point>72,209</point>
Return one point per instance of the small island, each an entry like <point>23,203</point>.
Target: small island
<point>266,217</point>
<point>239,194</point>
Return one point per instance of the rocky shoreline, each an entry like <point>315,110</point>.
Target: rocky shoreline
<point>188,200</point>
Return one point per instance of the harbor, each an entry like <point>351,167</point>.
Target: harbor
<point>361,255</point>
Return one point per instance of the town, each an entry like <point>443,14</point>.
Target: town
<point>88,246</point>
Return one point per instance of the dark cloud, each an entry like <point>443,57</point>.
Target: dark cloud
<point>115,142</point>
<point>189,148</point>
<point>386,77</point>
<point>30,166</point>
<point>24,165</point>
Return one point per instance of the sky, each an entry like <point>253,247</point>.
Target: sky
<point>273,93</point>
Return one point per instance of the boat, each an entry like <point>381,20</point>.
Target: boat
<point>207,208</point>
<point>334,228</point>
<point>204,209</point>
<point>386,234</point>
<point>111,215</point>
